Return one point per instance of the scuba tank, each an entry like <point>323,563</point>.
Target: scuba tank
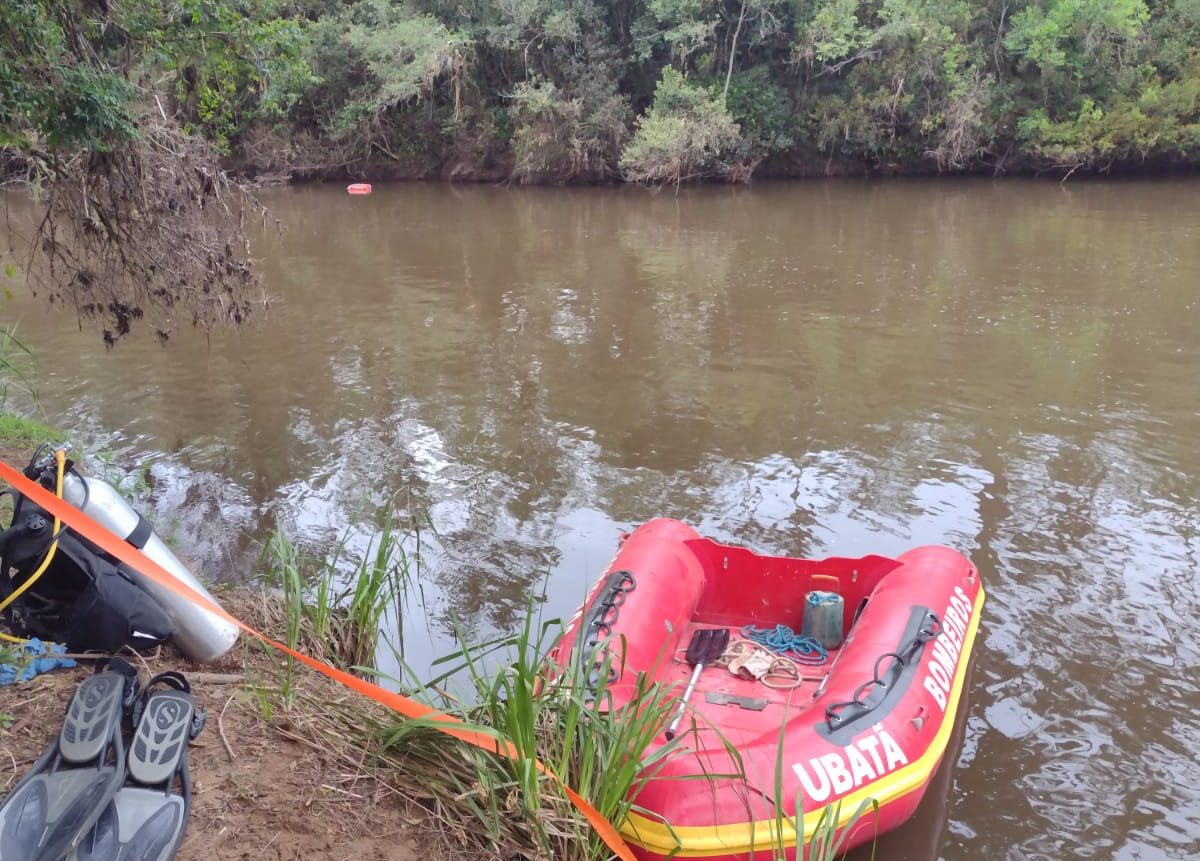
<point>199,634</point>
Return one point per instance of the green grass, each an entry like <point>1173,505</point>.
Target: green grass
<point>17,366</point>
<point>560,720</point>
<point>505,807</point>
<point>827,843</point>
<point>17,370</point>
<point>19,437</point>
<point>18,432</point>
<point>333,605</point>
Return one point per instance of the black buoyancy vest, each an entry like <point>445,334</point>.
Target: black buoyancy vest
<point>85,598</point>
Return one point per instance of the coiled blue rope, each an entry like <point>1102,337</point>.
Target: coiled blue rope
<point>786,642</point>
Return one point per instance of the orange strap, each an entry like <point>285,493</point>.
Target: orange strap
<point>147,567</point>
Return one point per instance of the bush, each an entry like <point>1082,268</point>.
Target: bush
<point>686,134</point>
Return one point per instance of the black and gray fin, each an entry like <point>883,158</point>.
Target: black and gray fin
<point>147,817</point>
<point>50,810</point>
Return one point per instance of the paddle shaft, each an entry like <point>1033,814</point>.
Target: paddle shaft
<point>687,692</point>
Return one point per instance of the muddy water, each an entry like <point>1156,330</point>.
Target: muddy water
<point>1011,369</point>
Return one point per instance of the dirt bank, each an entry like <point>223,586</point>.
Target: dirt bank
<point>262,788</point>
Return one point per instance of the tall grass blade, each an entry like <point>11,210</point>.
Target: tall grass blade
<point>17,365</point>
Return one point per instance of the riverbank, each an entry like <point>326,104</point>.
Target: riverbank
<point>285,165</point>
<point>382,171</point>
<point>267,784</point>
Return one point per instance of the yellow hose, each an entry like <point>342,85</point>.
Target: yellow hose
<point>60,460</point>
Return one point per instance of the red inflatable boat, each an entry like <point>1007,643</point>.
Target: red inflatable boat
<point>866,714</point>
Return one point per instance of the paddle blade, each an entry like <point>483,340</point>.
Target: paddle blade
<point>720,643</point>
<point>707,645</point>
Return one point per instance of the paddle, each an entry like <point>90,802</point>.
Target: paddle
<point>706,646</point>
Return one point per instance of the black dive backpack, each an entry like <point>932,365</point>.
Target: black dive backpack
<point>84,598</point>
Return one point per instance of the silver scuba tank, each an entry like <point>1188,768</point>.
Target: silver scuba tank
<point>199,634</point>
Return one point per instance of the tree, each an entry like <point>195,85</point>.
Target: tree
<point>138,219</point>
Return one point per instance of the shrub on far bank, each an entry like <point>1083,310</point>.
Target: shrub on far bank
<point>686,134</point>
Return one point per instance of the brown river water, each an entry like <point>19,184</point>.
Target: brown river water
<point>1012,369</point>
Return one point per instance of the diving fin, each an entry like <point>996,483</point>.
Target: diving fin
<point>147,817</point>
<point>58,801</point>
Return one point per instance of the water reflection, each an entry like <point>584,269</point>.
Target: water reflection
<point>809,369</point>
<point>918,839</point>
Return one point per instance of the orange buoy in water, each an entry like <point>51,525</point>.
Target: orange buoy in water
<point>359,188</point>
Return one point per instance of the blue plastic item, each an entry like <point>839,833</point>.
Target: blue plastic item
<point>33,659</point>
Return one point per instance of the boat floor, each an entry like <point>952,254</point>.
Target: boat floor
<point>728,701</point>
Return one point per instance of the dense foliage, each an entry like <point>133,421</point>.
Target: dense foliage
<point>589,90</point>
<point>664,90</point>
